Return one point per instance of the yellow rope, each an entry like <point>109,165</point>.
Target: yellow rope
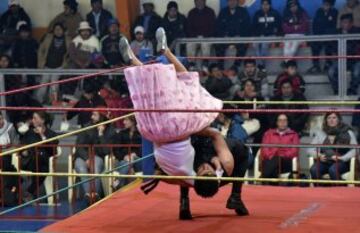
<point>229,179</point>
<point>332,103</point>
<point>16,150</point>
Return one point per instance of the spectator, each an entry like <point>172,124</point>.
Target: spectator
<point>259,76</point>
<point>248,93</point>
<point>9,21</point>
<point>233,21</point>
<point>11,81</point>
<point>353,65</point>
<point>332,161</point>
<point>324,23</point>
<point>70,18</point>
<point>297,120</point>
<point>350,7</point>
<point>279,160</point>
<point>232,74</point>
<point>24,51</point>
<point>201,23</point>
<point>37,159</point>
<point>174,23</point>
<point>217,84</point>
<point>141,47</point>
<point>356,120</point>
<point>8,138</point>
<point>116,97</point>
<point>21,119</point>
<point>89,99</point>
<point>295,24</point>
<point>266,22</point>
<point>128,136</point>
<point>98,18</point>
<point>291,73</point>
<point>87,161</point>
<point>53,54</point>
<point>111,44</point>
<point>84,48</point>
<point>150,20</point>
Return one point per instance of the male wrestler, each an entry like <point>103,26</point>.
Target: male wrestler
<point>207,163</point>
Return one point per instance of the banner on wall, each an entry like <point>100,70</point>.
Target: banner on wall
<point>309,6</point>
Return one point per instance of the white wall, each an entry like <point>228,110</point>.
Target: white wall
<point>184,5</point>
<point>42,12</point>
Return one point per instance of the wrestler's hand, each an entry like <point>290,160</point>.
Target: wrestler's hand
<point>216,162</point>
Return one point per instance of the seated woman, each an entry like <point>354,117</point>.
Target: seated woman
<point>279,160</point>
<point>37,159</point>
<point>128,136</point>
<point>332,161</point>
<point>158,86</point>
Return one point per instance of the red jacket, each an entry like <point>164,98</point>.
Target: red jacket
<point>272,136</point>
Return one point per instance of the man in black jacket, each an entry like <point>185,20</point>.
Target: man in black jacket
<point>92,159</point>
<point>9,21</point>
<point>217,84</point>
<point>324,23</point>
<point>89,99</point>
<point>98,18</point>
<point>297,121</point>
<point>174,23</point>
<point>233,21</point>
<point>266,22</point>
<point>150,20</point>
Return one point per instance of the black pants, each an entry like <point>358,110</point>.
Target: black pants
<point>317,47</point>
<point>271,168</point>
<point>41,165</point>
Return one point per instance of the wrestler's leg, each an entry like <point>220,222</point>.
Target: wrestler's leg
<point>184,213</point>
<point>162,47</point>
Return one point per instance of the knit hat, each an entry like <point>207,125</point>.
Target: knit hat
<point>72,4</point>
<point>13,2</point>
<point>113,21</point>
<point>347,16</point>
<point>172,4</point>
<point>139,29</point>
<point>95,1</point>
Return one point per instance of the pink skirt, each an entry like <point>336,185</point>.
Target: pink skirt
<point>158,86</point>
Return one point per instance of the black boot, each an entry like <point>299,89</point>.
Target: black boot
<point>235,203</point>
<point>185,213</point>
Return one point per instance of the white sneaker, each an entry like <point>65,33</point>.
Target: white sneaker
<point>161,40</point>
<point>125,49</point>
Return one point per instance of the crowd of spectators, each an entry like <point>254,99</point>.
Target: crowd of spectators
<point>73,42</point>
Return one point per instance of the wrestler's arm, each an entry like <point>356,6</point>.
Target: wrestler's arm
<point>222,150</point>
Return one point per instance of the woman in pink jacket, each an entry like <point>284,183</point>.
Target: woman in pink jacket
<point>279,160</point>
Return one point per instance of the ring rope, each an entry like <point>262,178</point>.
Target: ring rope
<point>10,152</point>
<point>274,57</point>
<point>5,93</point>
<point>259,111</point>
<point>71,186</point>
<point>161,177</point>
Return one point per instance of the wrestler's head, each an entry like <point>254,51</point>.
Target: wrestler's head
<point>206,188</point>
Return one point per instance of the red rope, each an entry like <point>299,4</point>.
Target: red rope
<point>275,57</point>
<point>61,81</point>
<point>67,109</point>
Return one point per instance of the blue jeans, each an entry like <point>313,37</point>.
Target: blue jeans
<point>335,170</point>
<point>125,169</point>
<point>81,167</point>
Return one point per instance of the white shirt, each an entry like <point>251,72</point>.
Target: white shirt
<point>176,159</point>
